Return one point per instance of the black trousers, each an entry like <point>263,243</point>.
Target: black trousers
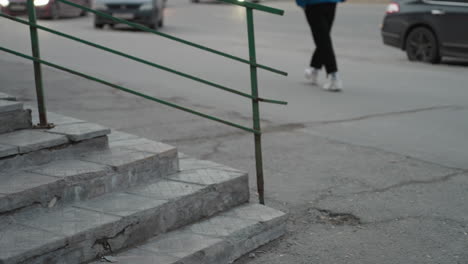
<point>320,18</point>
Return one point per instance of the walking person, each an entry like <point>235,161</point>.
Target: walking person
<point>320,15</point>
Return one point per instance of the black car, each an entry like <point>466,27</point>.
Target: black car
<point>428,29</point>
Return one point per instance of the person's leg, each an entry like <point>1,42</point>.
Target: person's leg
<point>316,22</point>
<point>329,59</point>
<point>331,11</point>
<point>316,61</point>
<point>328,53</point>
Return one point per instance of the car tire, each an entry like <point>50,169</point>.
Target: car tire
<point>99,26</point>
<point>154,25</point>
<point>195,1</point>
<point>421,45</point>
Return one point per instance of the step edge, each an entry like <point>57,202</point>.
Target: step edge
<point>77,179</point>
<point>122,219</point>
<point>229,247</point>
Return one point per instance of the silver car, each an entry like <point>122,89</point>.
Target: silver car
<point>145,12</point>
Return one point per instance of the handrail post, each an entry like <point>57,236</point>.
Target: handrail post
<point>37,67</point>
<point>255,106</point>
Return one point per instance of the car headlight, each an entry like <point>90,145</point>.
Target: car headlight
<point>99,6</point>
<point>147,6</point>
<point>40,2</point>
<point>4,3</point>
<point>393,8</point>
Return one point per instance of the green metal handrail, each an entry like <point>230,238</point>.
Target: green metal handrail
<point>119,87</point>
<point>188,76</point>
<point>252,63</point>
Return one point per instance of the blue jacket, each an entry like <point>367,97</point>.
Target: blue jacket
<point>303,3</point>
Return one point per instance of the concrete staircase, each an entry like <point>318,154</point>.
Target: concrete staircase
<point>78,193</point>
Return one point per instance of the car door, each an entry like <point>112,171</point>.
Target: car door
<point>450,17</point>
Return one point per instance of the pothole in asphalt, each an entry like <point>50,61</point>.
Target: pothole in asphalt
<point>329,217</point>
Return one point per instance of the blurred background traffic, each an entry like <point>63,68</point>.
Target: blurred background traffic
<point>426,30</point>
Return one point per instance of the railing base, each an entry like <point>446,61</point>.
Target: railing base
<point>46,126</point>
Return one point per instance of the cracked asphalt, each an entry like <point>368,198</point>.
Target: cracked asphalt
<point>376,174</point>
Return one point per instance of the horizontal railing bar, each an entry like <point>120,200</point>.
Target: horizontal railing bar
<point>186,42</point>
<point>130,91</point>
<point>258,7</point>
<point>263,100</point>
<point>142,60</point>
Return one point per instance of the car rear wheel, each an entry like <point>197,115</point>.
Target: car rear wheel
<point>421,45</point>
<point>99,26</point>
<point>154,25</point>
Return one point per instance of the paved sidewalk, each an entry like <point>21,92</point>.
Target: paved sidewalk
<point>348,204</point>
<point>352,204</point>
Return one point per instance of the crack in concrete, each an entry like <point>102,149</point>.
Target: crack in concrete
<point>237,115</point>
<point>239,133</point>
<point>104,241</point>
<point>415,182</point>
<point>419,217</point>
<point>324,195</point>
<point>328,192</point>
<point>389,114</point>
<point>326,216</point>
<point>296,126</point>
<point>336,218</point>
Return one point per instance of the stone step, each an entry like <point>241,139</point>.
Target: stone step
<point>7,97</point>
<point>84,176</point>
<point>87,230</point>
<point>9,106</point>
<point>29,141</point>
<point>217,240</point>
<point>13,116</point>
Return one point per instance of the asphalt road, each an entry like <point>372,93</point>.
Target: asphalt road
<point>376,174</point>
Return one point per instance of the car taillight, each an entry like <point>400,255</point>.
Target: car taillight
<point>393,8</point>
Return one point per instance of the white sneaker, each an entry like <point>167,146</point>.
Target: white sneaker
<point>311,74</point>
<point>334,85</point>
